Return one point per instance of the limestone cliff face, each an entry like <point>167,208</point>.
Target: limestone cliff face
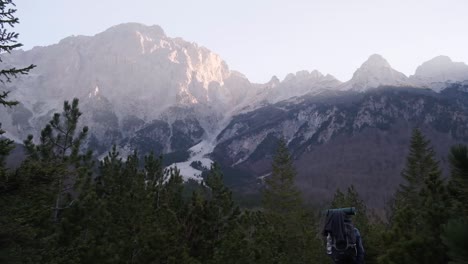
<point>130,73</point>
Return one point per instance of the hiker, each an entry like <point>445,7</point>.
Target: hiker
<point>344,243</point>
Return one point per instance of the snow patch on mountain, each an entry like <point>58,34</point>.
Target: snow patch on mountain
<point>198,153</point>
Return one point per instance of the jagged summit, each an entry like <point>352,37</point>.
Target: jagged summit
<point>296,85</point>
<point>303,75</point>
<point>375,72</point>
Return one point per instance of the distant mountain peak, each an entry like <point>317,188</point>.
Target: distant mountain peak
<point>439,70</point>
<point>376,60</point>
<point>375,72</point>
<point>441,59</point>
<point>274,80</point>
<point>304,75</point>
<point>133,27</point>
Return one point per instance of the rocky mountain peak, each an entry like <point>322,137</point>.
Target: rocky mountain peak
<point>441,69</point>
<point>132,27</point>
<point>375,61</point>
<point>375,72</point>
<point>139,70</point>
<point>273,81</point>
<point>304,75</point>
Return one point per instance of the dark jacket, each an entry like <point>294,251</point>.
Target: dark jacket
<point>359,248</point>
<point>335,222</point>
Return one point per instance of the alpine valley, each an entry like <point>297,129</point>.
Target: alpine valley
<point>140,89</point>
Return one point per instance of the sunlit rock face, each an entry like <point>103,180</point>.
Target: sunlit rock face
<point>128,72</point>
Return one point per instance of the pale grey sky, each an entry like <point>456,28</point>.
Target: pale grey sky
<point>261,38</point>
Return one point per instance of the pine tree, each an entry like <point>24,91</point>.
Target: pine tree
<point>420,164</point>
<point>194,225</point>
<point>290,235</point>
<point>242,240</point>
<point>59,152</point>
<point>455,233</point>
<point>281,196</point>
<point>211,219</point>
<point>419,211</point>
<point>8,43</point>
<point>458,184</point>
<point>48,182</point>
<point>455,238</point>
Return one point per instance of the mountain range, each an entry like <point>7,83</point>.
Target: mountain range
<point>140,89</point>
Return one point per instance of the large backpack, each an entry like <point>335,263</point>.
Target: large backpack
<point>343,237</point>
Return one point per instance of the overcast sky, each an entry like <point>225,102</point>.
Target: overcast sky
<point>262,38</point>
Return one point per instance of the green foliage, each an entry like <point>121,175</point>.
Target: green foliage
<point>212,220</point>
<point>289,234</point>
<point>420,163</point>
<point>59,153</point>
<point>455,233</point>
<point>458,184</point>
<point>420,211</point>
<point>8,43</point>
<point>455,237</point>
<point>6,146</point>
<point>45,186</point>
<point>281,195</point>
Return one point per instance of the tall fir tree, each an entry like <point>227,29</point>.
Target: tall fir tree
<point>291,233</point>
<point>48,182</point>
<point>455,233</point>
<point>281,196</point>
<point>60,152</point>
<point>420,210</point>
<point>458,184</point>
<point>420,163</point>
<point>8,43</point>
<point>211,219</point>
